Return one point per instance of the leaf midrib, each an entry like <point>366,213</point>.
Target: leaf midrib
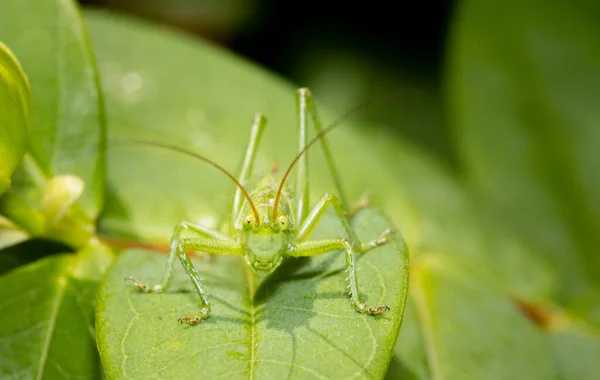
<point>252,311</point>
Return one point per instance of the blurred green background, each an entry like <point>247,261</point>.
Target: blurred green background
<point>347,55</point>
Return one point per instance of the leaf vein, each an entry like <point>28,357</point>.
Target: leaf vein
<point>133,319</point>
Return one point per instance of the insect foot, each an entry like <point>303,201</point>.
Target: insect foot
<point>383,239</point>
<point>196,319</point>
<point>377,310</point>
<point>371,310</point>
<point>144,288</point>
<point>362,203</point>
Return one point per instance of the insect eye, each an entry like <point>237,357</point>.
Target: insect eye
<point>283,222</point>
<point>249,221</point>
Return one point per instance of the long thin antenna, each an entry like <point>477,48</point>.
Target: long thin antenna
<point>323,132</point>
<point>199,157</point>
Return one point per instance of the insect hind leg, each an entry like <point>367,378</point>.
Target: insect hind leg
<point>307,110</point>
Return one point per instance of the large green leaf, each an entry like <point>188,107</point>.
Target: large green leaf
<point>15,115</point>
<point>524,81</point>
<point>67,135</point>
<point>295,323</point>
<point>47,308</point>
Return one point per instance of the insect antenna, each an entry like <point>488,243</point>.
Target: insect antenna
<point>199,157</point>
<point>323,132</point>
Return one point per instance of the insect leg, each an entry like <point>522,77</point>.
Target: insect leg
<point>307,106</point>
<point>168,272</point>
<point>215,246</point>
<point>302,193</point>
<point>316,214</point>
<point>351,245</point>
<point>363,202</point>
<point>255,135</point>
<point>318,247</point>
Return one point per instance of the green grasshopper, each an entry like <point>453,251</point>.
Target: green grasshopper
<point>272,224</point>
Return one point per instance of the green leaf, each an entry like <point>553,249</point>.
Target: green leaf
<point>47,316</point>
<point>15,115</point>
<point>67,135</point>
<point>295,323</point>
<point>524,81</point>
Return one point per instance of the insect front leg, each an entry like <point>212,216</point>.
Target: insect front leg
<point>212,242</point>
<point>351,245</point>
<point>210,245</point>
<point>175,237</point>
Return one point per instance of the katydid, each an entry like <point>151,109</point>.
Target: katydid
<point>272,221</point>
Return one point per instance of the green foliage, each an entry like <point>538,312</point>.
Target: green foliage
<point>15,104</point>
<point>67,131</point>
<point>47,316</point>
<point>503,271</point>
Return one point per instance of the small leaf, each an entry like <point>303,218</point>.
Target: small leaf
<point>67,135</point>
<point>295,323</point>
<point>60,193</point>
<point>15,117</point>
<point>47,316</point>
<point>10,234</point>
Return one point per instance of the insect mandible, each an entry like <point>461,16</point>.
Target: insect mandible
<point>274,222</point>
